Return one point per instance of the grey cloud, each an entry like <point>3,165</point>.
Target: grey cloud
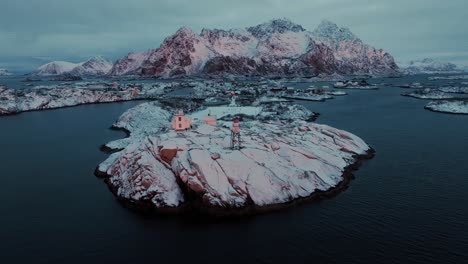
<point>70,29</point>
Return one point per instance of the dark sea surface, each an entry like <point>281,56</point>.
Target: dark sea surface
<point>409,204</point>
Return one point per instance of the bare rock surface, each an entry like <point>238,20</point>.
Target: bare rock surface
<point>280,160</point>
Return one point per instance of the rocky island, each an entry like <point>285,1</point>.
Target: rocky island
<point>281,158</point>
<point>449,106</point>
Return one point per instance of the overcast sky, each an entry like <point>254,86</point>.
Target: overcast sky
<point>37,31</point>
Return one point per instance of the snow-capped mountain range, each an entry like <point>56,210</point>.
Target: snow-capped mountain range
<point>278,47</point>
<point>429,66</point>
<point>4,72</point>
<point>95,66</point>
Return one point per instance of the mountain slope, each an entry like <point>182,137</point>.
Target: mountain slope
<point>352,55</point>
<point>55,68</point>
<point>277,47</point>
<point>94,66</point>
<point>184,53</point>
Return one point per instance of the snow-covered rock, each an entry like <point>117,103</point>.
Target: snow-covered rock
<point>449,106</point>
<point>130,64</point>
<point>451,77</point>
<point>184,53</point>
<point>351,54</point>
<point>5,72</point>
<point>277,47</point>
<point>94,66</point>
<point>55,68</point>
<point>279,161</point>
<point>427,93</point>
<point>309,97</point>
<point>15,101</point>
<point>454,89</point>
<point>429,66</point>
<point>354,84</point>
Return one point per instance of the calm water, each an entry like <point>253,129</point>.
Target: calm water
<point>407,205</point>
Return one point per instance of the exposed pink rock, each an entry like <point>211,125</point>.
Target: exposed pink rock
<point>277,47</point>
<point>277,163</point>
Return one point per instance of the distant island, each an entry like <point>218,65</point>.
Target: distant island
<point>5,72</point>
<point>430,66</point>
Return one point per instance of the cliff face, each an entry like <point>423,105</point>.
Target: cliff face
<point>277,47</point>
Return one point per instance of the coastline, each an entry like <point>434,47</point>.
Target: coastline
<point>194,207</point>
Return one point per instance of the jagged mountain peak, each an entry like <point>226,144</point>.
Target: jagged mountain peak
<point>328,30</point>
<point>184,31</point>
<point>207,32</point>
<point>276,47</point>
<point>55,68</point>
<point>183,34</point>
<point>96,65</point>
<point>98,58</point>
<point>279,25</point>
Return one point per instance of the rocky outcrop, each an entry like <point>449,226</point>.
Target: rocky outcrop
<point>184,53</point>
<point>277,47</point>
<point>231,65</point>
<point>427,93</point>
<point>457,106</point>
<point>279,161</point>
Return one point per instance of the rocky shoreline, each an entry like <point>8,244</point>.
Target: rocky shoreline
<point>198,209</point>
<point>182,196</point>
<point>454,107</point>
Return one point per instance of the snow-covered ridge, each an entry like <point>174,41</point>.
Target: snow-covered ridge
<point>277,47</point>
<point>55,68</point>
<point>282,25</point>
<point>280,161</point>
<point>328,30</point>
<point>95,66</point>
<point>429,66</point>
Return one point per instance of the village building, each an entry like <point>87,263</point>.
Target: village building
<point>181,122</point>
<point>209,120</point>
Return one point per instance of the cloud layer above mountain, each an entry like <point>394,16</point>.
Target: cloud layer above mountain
<point>74,30</point>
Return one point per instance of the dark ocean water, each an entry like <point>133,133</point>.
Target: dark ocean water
<point>409,204</point>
